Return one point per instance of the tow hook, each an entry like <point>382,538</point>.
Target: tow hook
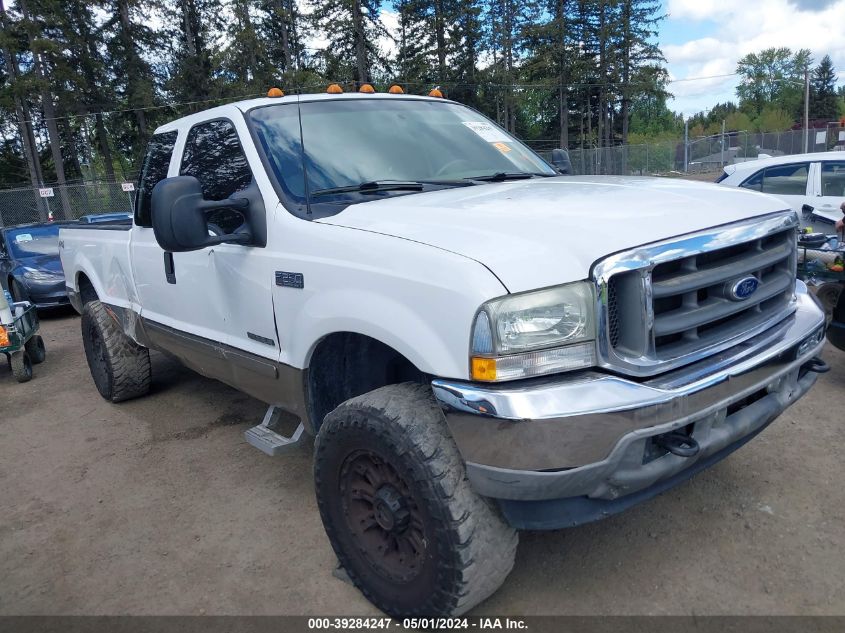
<point>678,443</point>
<point>817,365</point>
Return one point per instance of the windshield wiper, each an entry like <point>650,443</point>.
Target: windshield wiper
<point>501,176</point>
<point>372,186</point>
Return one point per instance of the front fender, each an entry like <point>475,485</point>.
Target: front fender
<point>399,327</point>
<point>417,299</point>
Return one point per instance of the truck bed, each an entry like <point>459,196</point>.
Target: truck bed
<point>102,251</point>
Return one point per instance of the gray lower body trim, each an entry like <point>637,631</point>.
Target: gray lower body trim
<point>267,380</point>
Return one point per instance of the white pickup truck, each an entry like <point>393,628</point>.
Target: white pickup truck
<point>475,343</point>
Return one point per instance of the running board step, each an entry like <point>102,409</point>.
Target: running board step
<point>267,440</point>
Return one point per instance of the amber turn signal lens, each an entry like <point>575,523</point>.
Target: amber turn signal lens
<point>483,369</point>
<point>4,337</point>
<point>275,92</point>
<point>334,89</point>
<point>436,93</point>
<point>367,88</point>
<point>396,90</point>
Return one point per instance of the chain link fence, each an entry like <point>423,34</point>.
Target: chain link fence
<point>698,155</point>
<point>71,202</point>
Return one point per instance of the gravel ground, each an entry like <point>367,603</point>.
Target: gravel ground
<point>158,506</point>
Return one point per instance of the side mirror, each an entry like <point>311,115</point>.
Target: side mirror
<point>806,210</point>
<point>179,216</point>
<point>561,162</point>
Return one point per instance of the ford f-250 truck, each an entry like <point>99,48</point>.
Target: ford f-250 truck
<point>476,344</point>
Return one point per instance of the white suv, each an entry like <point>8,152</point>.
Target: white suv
<point>817,180</point>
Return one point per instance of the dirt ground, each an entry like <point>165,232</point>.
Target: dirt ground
<point>159,506</point>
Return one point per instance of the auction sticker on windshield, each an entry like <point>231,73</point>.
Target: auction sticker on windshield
<point>488,132</point>
<point>23,237</point>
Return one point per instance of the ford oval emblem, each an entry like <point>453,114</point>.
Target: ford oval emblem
<point>743,288</point>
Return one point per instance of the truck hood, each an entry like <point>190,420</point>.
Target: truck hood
<point>541,232</point>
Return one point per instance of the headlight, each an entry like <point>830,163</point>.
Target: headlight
<point>534,333</point>
<point>33,274</point>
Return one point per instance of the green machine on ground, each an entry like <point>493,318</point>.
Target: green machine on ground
<point>19,338</point>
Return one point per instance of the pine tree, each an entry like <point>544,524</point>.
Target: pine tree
<point>464,51</point>
<point>16,91</point>
<point>42,49</point>
<point>823,101</point>
<point>638,22</point>
<point>243,62</point>
<point>283,28</point>
<point>129,40</point>
<point>416,55</point>
<point>352,28</point>
<point>194,25</point>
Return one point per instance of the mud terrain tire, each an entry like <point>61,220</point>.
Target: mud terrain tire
<point>399,511</point>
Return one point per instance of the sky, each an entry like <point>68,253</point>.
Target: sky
<point>705,38</point>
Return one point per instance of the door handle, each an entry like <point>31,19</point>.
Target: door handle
<point>169,268</point>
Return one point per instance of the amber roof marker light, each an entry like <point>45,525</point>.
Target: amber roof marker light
<point>334,89</point>
<point>435,92</point>
<point>367,88</point>
<point>396,89</point>
<point>275,93</point>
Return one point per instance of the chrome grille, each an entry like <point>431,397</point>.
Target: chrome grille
<point>671,303</point>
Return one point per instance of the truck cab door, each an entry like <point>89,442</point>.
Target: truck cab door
<point>235,280</point>
<point>218,294</point>
<point>176,291</point>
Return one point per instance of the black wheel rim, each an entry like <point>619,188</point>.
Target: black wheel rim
<point>383,516</point>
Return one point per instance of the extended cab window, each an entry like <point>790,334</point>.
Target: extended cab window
<point>156,164</point>
<point>214,156</point>
<point>833,179</point>
<point>781,180</point>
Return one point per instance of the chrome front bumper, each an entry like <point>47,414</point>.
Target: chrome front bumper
<point>586,435</point>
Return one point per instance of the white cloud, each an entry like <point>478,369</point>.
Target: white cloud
<point>741,27</point>
<point>695,9</point>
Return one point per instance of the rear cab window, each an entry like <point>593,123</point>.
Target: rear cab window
<point>156,164</point>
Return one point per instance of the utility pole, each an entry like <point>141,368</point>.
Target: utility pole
<point>722,143</point>
<point>806,108</point>
<point>686,145</point>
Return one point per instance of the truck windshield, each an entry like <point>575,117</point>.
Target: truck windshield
<point>33,241</point>
<point>351,142</point>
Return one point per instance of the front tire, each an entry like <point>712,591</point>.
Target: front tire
<point>119,366</point>
<point>399,511</point>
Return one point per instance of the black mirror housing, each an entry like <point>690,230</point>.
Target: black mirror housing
<point>179,216</point>
<point>561,162</point>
